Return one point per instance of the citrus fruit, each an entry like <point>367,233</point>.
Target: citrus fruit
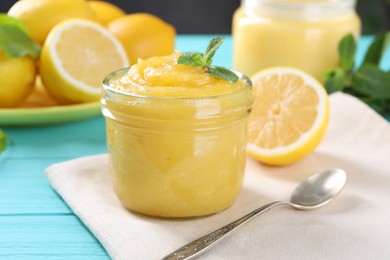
<point>39,96</point>
<point>75,58</point>
<point>40,16</point>
<point>289,116</point>
<point>17,77</point>
<point>143,35</point>
<point>105,12</point>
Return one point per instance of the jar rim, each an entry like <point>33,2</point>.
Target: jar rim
<point>116,74</point>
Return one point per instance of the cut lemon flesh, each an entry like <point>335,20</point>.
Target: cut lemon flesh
<point>75,58</point>
<point>289,116</point>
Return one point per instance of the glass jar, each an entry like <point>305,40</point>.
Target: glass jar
<point>295,33</point>
<point>176,157</point>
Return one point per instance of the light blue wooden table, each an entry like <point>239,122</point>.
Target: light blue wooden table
<point>34,221</point>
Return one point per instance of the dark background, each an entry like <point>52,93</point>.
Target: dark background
<point>215,16</point>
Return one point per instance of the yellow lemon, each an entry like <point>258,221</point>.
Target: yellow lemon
<point>105,12</point>
<point>289,116</point>
<point>75,58</point>
<point>40,16</point>
<point>144,35</point>
<point>39,96</point>
<point>17,77</point>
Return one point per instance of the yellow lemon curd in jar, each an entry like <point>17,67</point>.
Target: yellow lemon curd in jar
<point>297,33</point>
<point>176,138</point>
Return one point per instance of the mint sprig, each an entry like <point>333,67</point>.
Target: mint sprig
<point>369,82</point>
<point>197,59</point>
<point>15,40</point>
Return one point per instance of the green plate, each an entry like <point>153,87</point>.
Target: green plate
<point>48,115</point>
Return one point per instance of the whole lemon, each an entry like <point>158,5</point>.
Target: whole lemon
<point>105,12</point>
<point>143,35</point>
<point>40,16</point>
<point>17,77</point>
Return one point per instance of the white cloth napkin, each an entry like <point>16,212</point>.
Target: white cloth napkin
<point>356,225</point>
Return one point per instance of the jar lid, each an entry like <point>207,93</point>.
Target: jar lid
<point>308,10</point>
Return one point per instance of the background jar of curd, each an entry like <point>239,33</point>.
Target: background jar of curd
<point>176,156</point>
<point>297,33</point>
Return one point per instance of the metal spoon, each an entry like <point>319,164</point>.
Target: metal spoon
<point>312,193</point>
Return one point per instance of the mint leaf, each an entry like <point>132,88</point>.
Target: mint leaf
<point>347,50</point>
<point>372,81</point>
<point>223,73</point>
<point>197,59</point>
<point>212,47</point>
<point>194,59</point>
<point>3,141</point>
<point>335,80</point>
<point>5,19</point>
<point>369,83</point>
<point>377,48</point>
<point>16,42</point>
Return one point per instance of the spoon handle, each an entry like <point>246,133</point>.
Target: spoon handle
<point>204,243</point>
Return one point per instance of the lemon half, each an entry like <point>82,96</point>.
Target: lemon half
<point>75,58</point>
<point>289,117</point>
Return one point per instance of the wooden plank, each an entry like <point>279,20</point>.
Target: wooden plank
<point>47,236</point>
<point>25,189</point>
<point>57,141</point>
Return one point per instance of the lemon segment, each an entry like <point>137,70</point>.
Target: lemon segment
<point>289,117</point>
<point>75,58</point>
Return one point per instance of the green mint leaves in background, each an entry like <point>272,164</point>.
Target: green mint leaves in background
<point>15,40</point>
<point>3,141</point>
<point>369,82</point>
<point>197,59</point>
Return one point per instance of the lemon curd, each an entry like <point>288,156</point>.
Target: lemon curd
<point>297,33</point>
<point>176,137</point>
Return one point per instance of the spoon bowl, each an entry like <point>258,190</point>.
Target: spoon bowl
<point>318,189</point>
<point>311,193</point>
